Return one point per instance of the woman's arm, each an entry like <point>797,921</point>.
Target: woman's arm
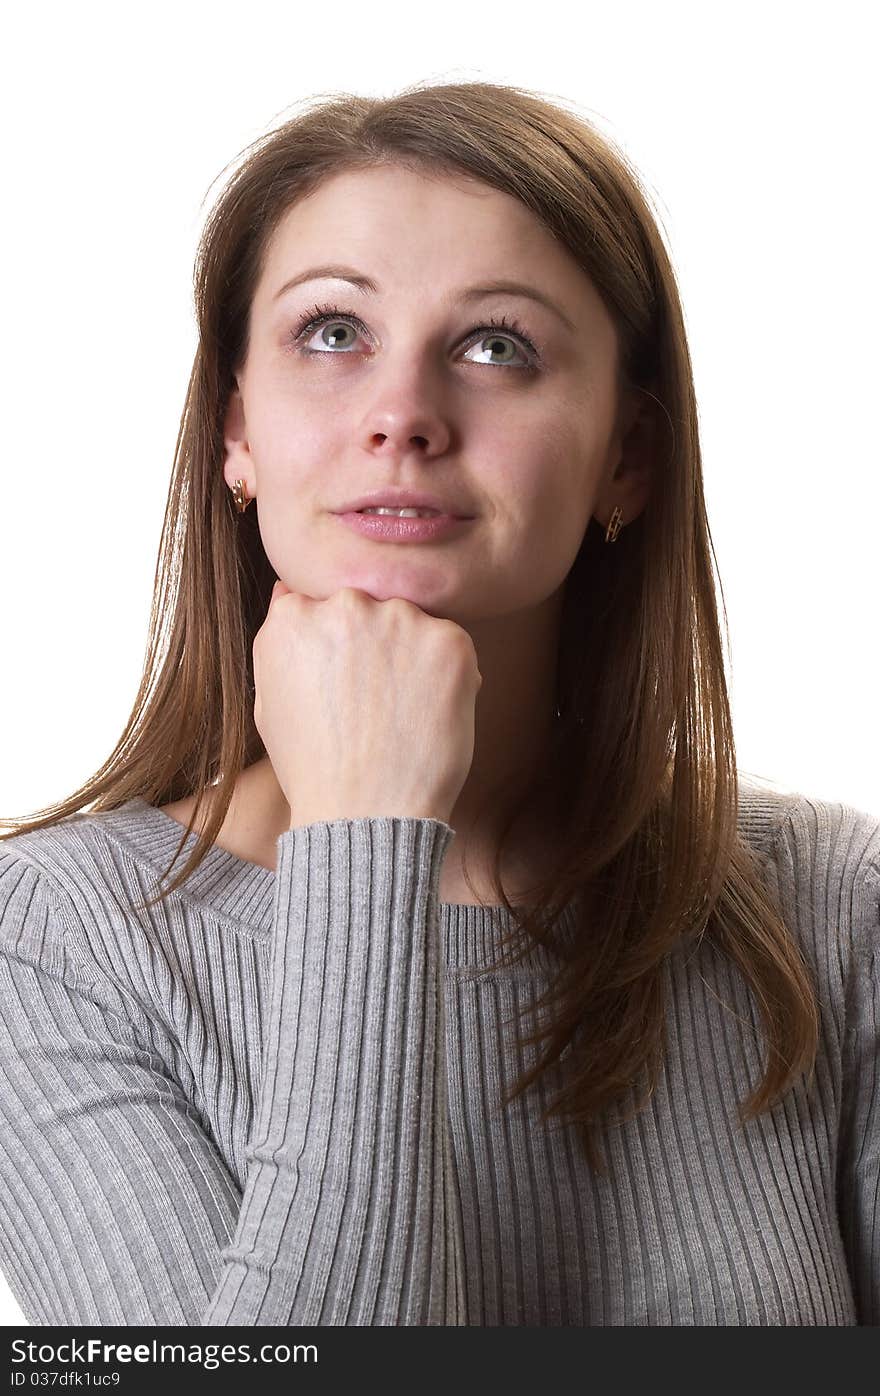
<point>116,1206</point>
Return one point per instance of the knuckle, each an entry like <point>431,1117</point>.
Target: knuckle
<point>460,638</point>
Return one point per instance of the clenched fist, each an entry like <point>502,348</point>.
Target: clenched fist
<point>365,707</point>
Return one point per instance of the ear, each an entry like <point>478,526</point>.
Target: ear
<point>237,461</point>
<point>634,451</point>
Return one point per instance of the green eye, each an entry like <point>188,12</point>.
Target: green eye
<point>329,314</point>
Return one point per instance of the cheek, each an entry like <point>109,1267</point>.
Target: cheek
<point>544,485</point>
<point>296,454</point>
<point>548,503</point>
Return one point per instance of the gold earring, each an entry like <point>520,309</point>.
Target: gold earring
<point>613,528</point>
<point>241,496</point>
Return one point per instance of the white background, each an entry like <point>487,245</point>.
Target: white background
<point>751,126</point>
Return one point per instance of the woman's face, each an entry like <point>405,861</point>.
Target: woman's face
<point>408,385</point>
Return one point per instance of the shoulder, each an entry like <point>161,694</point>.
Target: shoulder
<point>833,849</point>
<point>824,858</point>
<point>65,908</point>
<point>35,927</point>
<point>832,837</point>
<point>25,901</point>
<point>763,809</point>
<point>54,854</point>
<point>71,867</point>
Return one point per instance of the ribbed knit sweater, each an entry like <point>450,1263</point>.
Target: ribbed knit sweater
<point>276,1097</point>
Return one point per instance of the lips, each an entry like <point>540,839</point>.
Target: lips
<point>391,498</point>
<point>392,528</point>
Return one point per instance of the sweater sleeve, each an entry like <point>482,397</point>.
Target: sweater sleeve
<point>116,1206</point>
<point>859,1158</point>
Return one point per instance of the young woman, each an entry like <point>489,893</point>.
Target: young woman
<point>449,788</point>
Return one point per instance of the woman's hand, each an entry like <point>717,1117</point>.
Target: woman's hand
<point>366,708</point>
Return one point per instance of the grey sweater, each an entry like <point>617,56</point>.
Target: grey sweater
<point>275,1099</point>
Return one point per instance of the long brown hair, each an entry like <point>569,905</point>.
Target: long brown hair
<point>644,757</point>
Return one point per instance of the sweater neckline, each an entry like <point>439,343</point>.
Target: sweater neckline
<point>244,892</point>
<point>237,889</point>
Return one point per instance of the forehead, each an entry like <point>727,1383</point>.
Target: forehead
<point>417,233</point>
<point>393,203</point>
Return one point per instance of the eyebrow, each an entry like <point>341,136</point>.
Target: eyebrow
<point>472,293</point>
